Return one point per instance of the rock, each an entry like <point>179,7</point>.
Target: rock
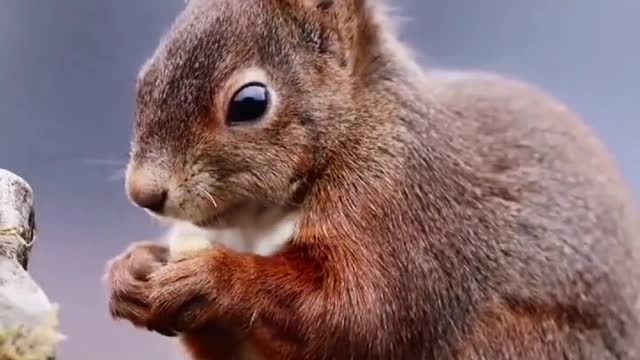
<point>28,320</point>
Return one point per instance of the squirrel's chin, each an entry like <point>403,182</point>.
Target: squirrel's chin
<point>224,218</point>
<point>240,215</point>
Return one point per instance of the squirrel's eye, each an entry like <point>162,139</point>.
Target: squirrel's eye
<point>250,103</point>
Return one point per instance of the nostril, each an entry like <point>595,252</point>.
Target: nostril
<point>151,199</point>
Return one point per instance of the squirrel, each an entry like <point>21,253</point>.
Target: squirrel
<point>360,206</point>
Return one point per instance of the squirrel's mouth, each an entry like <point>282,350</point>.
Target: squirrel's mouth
<point>218,219</point>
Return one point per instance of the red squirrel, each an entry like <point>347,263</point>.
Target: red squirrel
<point>362,207</point>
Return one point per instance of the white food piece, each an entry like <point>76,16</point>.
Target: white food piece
<point>181,244</point>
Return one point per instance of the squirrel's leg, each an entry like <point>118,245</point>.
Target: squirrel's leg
<point>213,342</point>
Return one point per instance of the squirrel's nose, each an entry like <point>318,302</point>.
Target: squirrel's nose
<point>149,198</point>
<point>146,192</point>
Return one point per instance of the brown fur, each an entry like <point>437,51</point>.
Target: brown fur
<point>445,216</point>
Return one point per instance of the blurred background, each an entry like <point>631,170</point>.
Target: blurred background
<point>67,70</point>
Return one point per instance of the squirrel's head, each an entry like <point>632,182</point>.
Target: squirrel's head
<point>243,101</point>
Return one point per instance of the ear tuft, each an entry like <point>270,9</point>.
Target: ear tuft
<point>357,27</point>
<point>352,29</point>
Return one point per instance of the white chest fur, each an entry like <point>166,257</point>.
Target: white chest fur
<point>262,235</point>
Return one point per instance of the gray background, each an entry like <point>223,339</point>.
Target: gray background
<point>66,79</point>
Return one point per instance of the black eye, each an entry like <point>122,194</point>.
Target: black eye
<point>250,103</point>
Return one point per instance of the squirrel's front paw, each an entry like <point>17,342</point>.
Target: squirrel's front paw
<point>182,293</point>
<point>127,280</point>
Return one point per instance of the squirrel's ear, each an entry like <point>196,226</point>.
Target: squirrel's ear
<point>356,26</point>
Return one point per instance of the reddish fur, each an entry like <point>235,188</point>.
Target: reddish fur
<point>464,217</point>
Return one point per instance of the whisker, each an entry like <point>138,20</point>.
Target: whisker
<point>208,194</point>
<point>117,175</point>
<point>112,162</point>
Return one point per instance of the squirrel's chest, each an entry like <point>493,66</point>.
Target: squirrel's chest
<point>264,235</point>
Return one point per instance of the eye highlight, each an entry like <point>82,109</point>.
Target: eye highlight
<point>249,104</point>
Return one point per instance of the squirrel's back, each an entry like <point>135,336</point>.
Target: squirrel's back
<point>534,220</point>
